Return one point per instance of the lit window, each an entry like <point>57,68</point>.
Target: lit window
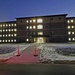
<point>40,27</point>
<point>39,20</point>
<point>9,25</point>
<point>34,20</point>
<point>6,30</point>
<point>15,40</point>
<point>9,35</point>
<point>30,21</point>
<point>14,24</point>
<point>15,34</point>
<point>3,30</point>
<point>72,26</point>
<point>68,21</point>
<point>12,35</point>
<point>34,27</point>
<point>72,21</point>
<point>69,39</point>
<point>6,35</point>
<point>12,29</point>
<point>9,30</point>
<point>27,21</point>
<point>3,40</point>
<point>68,27</point>
<point>27,39</point>
<point>3,35</point>
<point>40,33</point>
<point>3,25</point>
<point>26,27</point>
<point>0,35</point>
<point>6,25</point>
<point>15,29</point>
<point>0,30</point>
<point>69,33</point>
<point>11,40</point>
<point>72,32</point>
<point>0,40</point>
<point>34,39</point>
<point>30,27</point>
<point>73,39</point>
<point>8,40</point>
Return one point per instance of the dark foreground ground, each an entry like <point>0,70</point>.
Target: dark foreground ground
<point>37,69</point>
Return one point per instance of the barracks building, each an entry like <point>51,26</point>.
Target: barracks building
<point>38,29</point>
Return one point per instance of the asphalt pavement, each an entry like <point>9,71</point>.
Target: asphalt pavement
<point>37,69</point>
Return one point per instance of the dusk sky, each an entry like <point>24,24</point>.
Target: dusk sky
<point>11,9</point>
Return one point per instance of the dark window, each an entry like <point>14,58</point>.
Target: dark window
<point>59,18</point>
<point>21,21</point>
<point>51,18</point>
<point>27,33</point>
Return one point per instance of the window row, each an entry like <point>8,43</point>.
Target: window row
<point>34,27</point>
<point>71,32</point>
<point>70,21</point>
<point>7,30</point>
<point>39,33</point>
<point>12,40</point>
<point>8,35</point>
<point>70,27</point>
<point>71,39</point>
<point>6,25</point>
<point>34,20</point>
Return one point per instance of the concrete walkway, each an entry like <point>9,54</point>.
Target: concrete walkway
<point>26,57</point>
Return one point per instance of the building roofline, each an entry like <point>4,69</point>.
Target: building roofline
<point>70,17</point>
<point>8,22</point>
<point>42,16</point>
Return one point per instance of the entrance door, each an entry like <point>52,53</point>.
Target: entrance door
<point>40,40</point>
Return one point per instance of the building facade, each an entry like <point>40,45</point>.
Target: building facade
<point>8,32</point>
<point>38,29</point>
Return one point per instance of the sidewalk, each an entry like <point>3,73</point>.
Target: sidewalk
<point>26,57</point>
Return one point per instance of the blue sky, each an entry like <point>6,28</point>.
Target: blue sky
<point>11,9</point>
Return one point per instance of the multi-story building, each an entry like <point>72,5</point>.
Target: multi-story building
<point>8,32</point>
<point>71,29</point>
<point>39,29</point>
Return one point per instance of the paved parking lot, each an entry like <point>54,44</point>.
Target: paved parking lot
<point>37,69</point>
